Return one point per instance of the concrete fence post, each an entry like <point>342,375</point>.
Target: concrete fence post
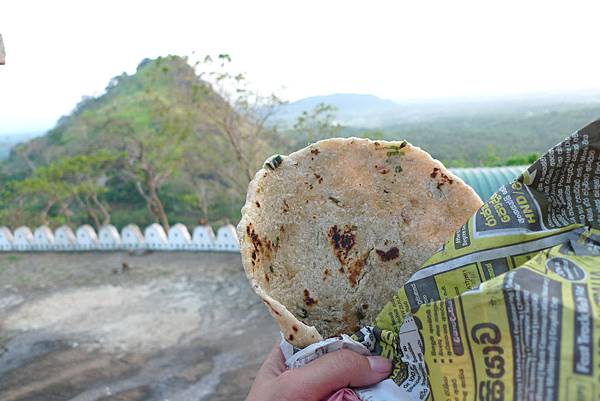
<point>6,239</point>
<point>179,237</point>
<point>132,237</point>
<point>43,239</point>
<point>203,238</point>
<point>23,239</point>
<point>64,239</point>
<point>86,238</point>
<point>155,237</point>
<point>227,239</point>
<point>109,238</point>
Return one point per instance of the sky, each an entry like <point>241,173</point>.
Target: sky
<point>59,51</point>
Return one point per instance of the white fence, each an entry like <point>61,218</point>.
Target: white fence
<point>108,238</point>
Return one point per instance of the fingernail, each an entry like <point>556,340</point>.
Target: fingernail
<point>380,364</point>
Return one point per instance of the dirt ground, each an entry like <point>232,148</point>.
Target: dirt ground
<point>115,326</point>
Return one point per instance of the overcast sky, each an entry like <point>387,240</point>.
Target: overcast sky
<point>58,51</point>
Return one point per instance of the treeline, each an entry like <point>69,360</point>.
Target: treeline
<point>493,138</point>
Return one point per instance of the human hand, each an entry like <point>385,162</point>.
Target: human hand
<point>318,380</point>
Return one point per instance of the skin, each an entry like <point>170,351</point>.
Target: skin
<point>318,380</point>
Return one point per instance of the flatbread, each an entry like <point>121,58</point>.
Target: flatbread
<point>331,232</point>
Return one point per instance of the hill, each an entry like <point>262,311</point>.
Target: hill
<point>127,107</point>
<point>158,145</point>
<point>368,111</point>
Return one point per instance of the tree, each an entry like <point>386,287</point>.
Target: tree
<point>157,154</point>
<point>236,133</point>
<point>23,151</point>
<point>79,179</point>
<point>522,159</point>
<point>150,163</point>
<point>519,159</point>
<point>40,192</point>
<point>88,174</point>
<point>318,123</point>
<point>205,180</point>
<point>149,120</point>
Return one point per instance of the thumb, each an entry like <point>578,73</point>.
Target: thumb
<point>334,371</point>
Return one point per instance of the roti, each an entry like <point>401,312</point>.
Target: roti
<point>331,232</point>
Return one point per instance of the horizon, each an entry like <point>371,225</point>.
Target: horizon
<point>454,100</point>
<point>389,51</point>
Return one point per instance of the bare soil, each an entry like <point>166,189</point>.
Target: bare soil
<point>117,326</point>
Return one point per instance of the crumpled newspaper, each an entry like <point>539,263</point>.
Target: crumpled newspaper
<point>507,309</point>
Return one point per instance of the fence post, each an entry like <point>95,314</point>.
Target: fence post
<point>179,237</point>
<point>23,239</point>
<point>132,237</point>
<point>227,239</point>
<point>155,237</point>
<point>86,237</point>
<point>43,238</point>
<point>64,239</point>
<point>109,237</point>
<point>203,238</point>
<point>6,239</point>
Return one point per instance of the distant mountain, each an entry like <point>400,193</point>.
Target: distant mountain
<point>368,111</point>
<point>353,109</point>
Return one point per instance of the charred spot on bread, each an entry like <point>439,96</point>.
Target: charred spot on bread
<point>342,241</point>
<point>388,255</point>
<point>308,300</point>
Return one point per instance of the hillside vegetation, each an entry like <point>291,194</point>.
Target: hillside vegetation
<point>160,145</point>
<point>179,143</point>
<point>490,139</point>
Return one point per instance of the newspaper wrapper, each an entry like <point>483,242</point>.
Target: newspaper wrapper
<point>508,308</point>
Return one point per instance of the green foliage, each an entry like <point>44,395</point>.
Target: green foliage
<point>522,160</point>
<point>488,138</point>
<point>494,160</point>
<point>47,195</point>
<point>187,144</point>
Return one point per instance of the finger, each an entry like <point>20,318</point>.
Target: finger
<point>271,368</point>
<point>274,365</point>
<point>334,371</point>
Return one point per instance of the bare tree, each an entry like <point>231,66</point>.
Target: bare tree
<point>149,175</point>
<point>23,151</point>
<point>237,126</point>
